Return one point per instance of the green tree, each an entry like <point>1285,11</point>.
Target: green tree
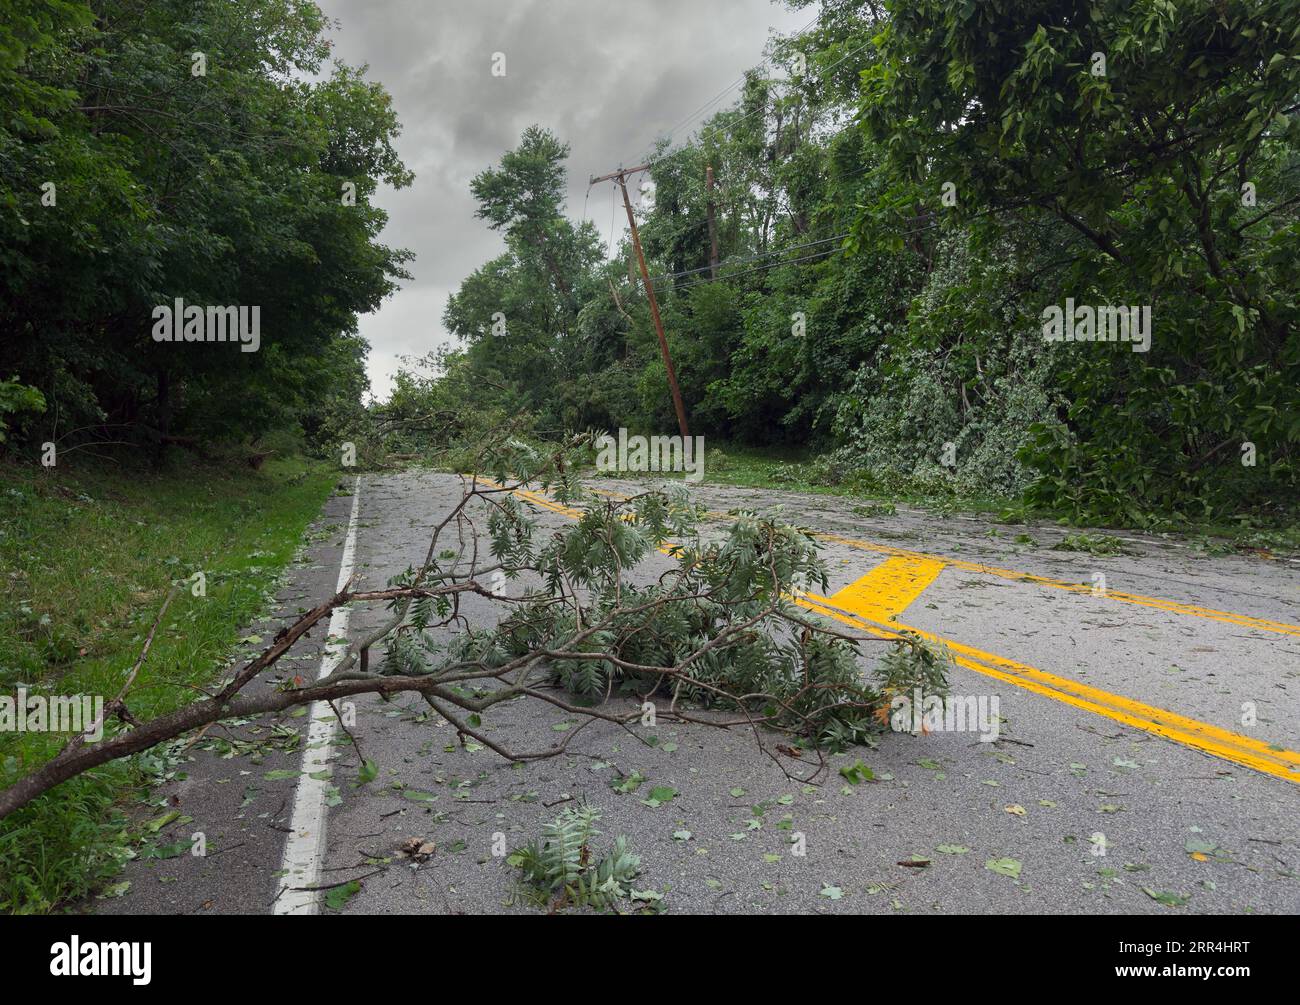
<point>1129,134</point>
<point>229,186</point>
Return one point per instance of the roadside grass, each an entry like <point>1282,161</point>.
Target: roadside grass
<point>87,555</point>
<point>798,470</point>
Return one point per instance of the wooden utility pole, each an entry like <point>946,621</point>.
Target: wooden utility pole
<point>620,176</point>
<point>713,225</point>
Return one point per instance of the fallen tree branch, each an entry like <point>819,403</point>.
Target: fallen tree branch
<point>700,632</point>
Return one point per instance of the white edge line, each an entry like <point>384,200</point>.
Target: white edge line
<point>305,845</point>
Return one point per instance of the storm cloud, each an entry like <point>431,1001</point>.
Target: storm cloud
<point>607,78</point>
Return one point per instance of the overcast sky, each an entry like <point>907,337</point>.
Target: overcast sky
<point>606,77</point>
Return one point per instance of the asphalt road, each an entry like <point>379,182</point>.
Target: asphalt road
<point>1128,774</point>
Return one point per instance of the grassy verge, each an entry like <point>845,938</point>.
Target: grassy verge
<point>86,557</point>
<point>798,471</point>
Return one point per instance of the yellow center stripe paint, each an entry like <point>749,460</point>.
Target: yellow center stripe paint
<point>1232,747</point>
<point>889,589</point>
<point>1243,750</point>
<point>537,499</point>
<point>1158,603</point>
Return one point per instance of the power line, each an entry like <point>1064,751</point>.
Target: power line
<point>723,93</point>
<point>611,217</point>
<point>704,107</point>
<point>712,102</point>
<point>763,108</point>
<point>730,87</point>
<point>765,62</point>
<point>751,258</point>
<point>749,115</point>
<point>769,265</point>
<point>794,261</point>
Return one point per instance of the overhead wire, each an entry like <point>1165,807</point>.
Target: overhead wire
<point>826,253</point>
<point>702,109</point>
<point>750,258</point>
<point>723,93</point>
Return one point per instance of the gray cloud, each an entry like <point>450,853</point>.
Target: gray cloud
<point>608,78</point>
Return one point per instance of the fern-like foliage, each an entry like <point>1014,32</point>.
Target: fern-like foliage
<point>561,868</point>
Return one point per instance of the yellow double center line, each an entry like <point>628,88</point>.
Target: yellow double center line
<point>1158,603</point>
<point>889,589</point>
<point>848,607</point>
<point>874,602</point>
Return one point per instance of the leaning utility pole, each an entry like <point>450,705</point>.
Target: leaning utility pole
<point>620,175</point>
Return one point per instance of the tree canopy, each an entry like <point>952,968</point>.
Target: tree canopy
<point>901,191</point>
<point>207,150</point>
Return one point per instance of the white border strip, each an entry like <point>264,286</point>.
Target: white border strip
<point>305,845</point>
